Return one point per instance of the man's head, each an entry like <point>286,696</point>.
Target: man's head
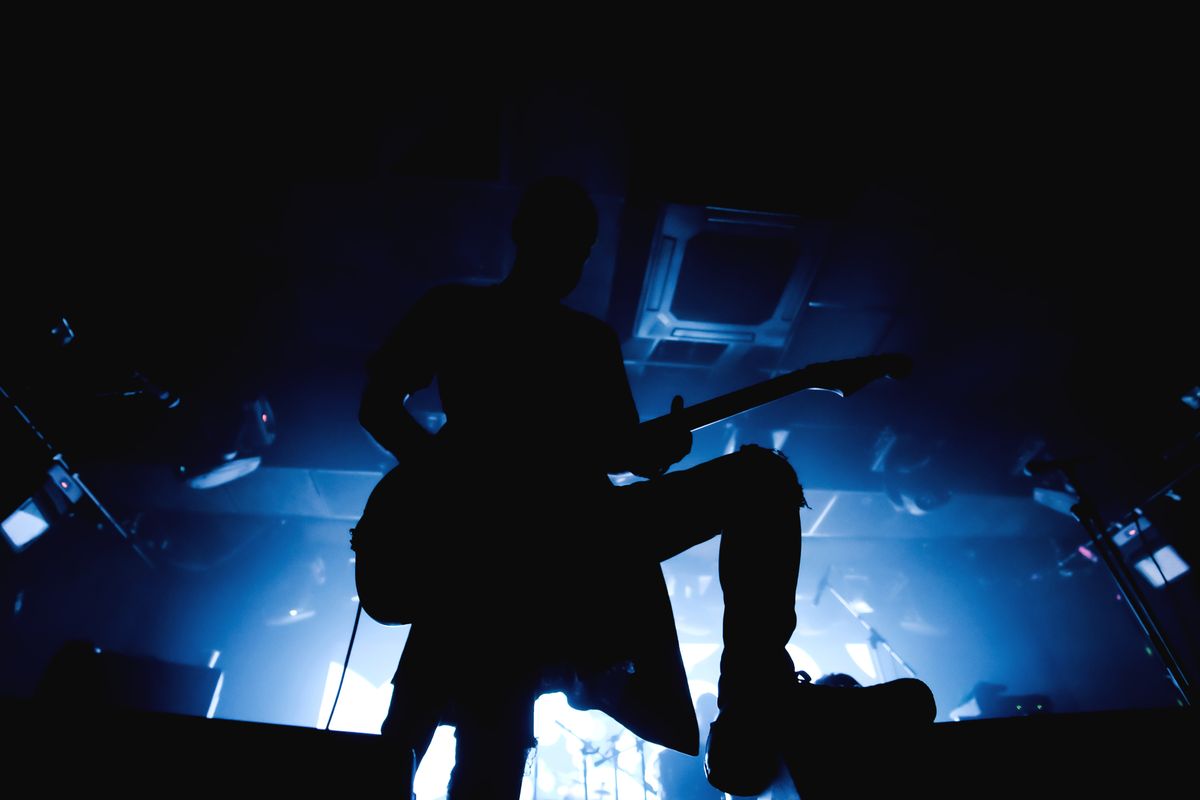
<point>554,230</point>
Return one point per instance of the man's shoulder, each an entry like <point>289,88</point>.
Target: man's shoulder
<point>477,300</point>
<point>449,299</point>
<point>453,293</point>
<point>587,326</point>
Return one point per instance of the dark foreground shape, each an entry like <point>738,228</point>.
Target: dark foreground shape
<point>1111,754</point>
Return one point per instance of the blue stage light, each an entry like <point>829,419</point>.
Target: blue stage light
<point>24,525</point>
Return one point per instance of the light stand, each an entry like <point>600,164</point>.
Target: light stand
<point>1086,514</point>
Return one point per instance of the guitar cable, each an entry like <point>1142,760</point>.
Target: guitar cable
<point>345,664</point>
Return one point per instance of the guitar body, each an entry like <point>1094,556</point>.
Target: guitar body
<point>401,540</point>
<point>390,564</point>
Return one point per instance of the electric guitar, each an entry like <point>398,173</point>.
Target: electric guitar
<point>390,566</point>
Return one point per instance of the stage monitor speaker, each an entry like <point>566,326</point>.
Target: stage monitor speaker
<point>83,675</point>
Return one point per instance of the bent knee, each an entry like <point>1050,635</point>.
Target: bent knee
<point>767,475</point>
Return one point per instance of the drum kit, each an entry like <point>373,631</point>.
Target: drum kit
<point>601,755</point>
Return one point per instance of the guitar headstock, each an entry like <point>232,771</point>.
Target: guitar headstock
<point>847,376</point>
<point>895,365</point>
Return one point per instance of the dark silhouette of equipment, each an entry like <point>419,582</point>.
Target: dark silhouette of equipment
<point>83,676</point>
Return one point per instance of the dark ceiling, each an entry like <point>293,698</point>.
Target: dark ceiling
<point>1018,237</point>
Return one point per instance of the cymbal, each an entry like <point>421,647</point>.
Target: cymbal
<point>292,616</point>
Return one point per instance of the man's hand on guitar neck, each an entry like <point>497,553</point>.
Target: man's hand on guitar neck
<point>383,416</point>
<point>660,443</point>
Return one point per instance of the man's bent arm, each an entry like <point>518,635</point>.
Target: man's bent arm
<point>404,364</point>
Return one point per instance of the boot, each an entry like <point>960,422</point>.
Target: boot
<point>806,724</point>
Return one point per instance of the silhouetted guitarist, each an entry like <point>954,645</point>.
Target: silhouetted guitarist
<point>522,538</point>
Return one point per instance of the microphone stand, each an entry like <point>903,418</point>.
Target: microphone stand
<point>587,749</point>
<point>1088,516</point>
<point>613,752</point>
<point>876,639</point>
<point>641,748</point>
<point>57,458</point>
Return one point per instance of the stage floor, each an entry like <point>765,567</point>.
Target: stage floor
<point>1146,753</point>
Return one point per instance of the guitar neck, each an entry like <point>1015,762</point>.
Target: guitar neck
<point>712,411</point>
<point>840,377</point>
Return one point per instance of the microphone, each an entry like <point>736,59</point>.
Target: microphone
<point>823,585</point>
